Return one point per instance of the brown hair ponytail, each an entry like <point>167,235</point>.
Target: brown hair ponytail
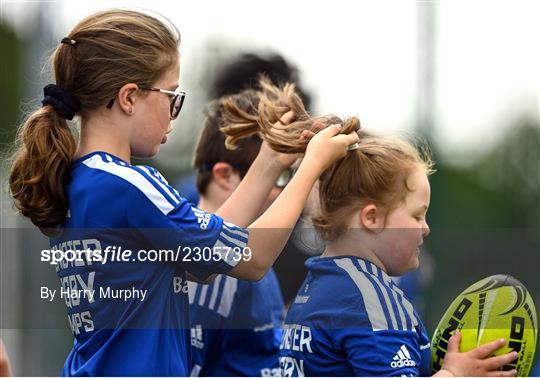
<point>40,167</point>
<point>273,103</point>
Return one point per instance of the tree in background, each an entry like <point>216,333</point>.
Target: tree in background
<point>10,93</point>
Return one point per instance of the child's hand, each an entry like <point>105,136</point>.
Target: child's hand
<point>286,160</point>
<point>326,147</point>
<point>476,362</point>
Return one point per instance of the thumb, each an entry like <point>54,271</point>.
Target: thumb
<point>307,135</point>
<point>453,343</point>
<point>332,130</point>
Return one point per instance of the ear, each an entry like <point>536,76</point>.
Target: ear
<point>223,175</point>
<point>127,97</point>
<point>371,217</point>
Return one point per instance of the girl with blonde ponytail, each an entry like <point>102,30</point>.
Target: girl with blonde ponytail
<point>349,318</point>
<point>118,72</point>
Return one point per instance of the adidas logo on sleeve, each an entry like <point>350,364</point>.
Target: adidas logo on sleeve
<point>402,358</point>
<point>203,218</point>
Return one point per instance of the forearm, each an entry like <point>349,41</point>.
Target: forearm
<point>270,232</point>
<point>245,204</point>
<point>286,209</point>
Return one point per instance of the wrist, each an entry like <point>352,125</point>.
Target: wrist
<point>268,165</point>
<point>308,171</point>
<point>314,163</point>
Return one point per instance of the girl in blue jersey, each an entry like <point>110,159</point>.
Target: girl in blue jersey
<point>118,71</point>
<point>349,318</point>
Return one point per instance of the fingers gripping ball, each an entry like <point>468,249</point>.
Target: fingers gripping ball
<point>496,307</point>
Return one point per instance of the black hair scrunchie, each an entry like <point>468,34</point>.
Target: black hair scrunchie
<point>63,102</point>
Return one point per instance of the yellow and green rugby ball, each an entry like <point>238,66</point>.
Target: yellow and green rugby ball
<point>497,306</point>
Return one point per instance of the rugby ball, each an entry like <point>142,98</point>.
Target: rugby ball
<point>497,306</point>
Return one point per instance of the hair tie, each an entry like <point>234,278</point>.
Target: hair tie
<point>63,102</point>
<point>68,41</point>
<point>353,147</point>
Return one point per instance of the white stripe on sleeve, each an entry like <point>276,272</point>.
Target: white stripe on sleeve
<point>133,177</point>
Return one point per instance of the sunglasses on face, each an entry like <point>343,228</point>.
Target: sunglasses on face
<point>177,100</point>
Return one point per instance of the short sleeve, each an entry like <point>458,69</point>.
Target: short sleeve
<point>202,243</point>
<point>381,353</point>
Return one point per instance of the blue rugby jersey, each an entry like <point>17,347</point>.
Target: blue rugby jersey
<point>117,205</point>
<point>236,326</point>
<point>350,319</point>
